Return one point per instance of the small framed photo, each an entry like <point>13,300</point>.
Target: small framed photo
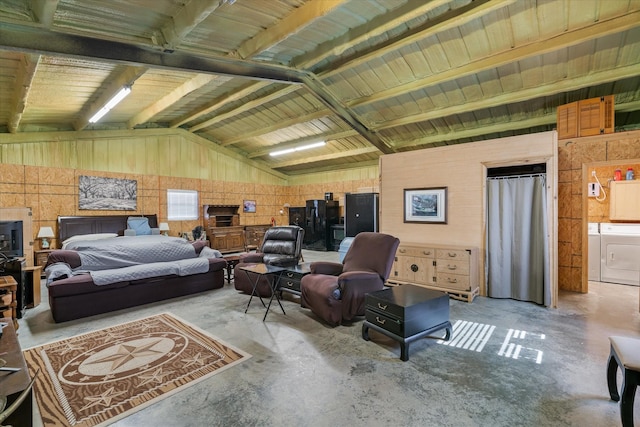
<point>428,205</point>
<point>249,206</point>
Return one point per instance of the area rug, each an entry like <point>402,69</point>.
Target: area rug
<point>97,378</point>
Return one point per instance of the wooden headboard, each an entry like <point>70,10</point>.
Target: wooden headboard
<point>74,225</point>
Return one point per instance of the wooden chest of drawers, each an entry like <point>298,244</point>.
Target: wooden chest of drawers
<point>452,269</point>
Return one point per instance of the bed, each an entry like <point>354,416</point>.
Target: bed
<point>101,269</point>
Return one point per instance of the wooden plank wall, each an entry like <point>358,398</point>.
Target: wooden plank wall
<point>462,169</point>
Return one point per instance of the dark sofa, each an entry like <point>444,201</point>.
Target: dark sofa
<point>78,296</point>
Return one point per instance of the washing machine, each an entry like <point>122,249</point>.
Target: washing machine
<point>620,253</point>
<point>594,251</point>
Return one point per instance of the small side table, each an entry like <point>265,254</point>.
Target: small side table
<point>32,287</point>
<point>41,257</point>
<point>232,261</point>
<point>9,286</point>
<point>273,274</point>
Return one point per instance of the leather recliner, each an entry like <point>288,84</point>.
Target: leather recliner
<point>335,292</point>
<point>281,246</point>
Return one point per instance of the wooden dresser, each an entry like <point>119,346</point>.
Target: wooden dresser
<point>452,269</point>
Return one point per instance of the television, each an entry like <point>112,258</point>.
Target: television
<point>11,239</point>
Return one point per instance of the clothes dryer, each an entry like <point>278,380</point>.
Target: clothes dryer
<point>594,251</point>
<point>620,253</point>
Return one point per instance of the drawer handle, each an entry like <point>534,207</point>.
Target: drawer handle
<point>450,280</point>
<point>382,307</point>
<point>426,252</point>
<point>414,268</point>
<point>289,284</point>
<point>381,321</point>
<point>402,251</point>
<point>289,274</point>
<point>452,254</point>
<point>452,267</point>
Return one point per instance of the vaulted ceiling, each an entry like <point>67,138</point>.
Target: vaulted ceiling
<point>370,77</point>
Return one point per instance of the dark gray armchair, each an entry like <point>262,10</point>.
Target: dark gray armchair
<point>281,246</point>
<point>335,292</point>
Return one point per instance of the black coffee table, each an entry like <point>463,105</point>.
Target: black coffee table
<point>407,313</point>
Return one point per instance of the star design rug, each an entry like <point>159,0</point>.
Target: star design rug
<point>96,378</point>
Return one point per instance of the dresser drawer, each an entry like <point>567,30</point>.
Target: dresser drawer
<point>452,266</point>
<point>453,281</point>
<point>290,280</point>
<point>415,251</point>
<point>387,323</point>
<point>457,254</point>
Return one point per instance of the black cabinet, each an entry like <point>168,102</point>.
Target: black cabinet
<point>360,213</point>
<point>320,215</point>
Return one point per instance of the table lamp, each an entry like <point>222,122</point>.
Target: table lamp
<point>44,234</point>
<point>164,228</point>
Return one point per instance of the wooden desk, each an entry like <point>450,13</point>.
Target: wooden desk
<point>9,284</point>
<point>12,384</point>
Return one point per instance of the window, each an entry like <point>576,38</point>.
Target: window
<point>182,205</point>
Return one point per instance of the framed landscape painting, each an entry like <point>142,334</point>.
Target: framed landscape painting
<point>428,205</point>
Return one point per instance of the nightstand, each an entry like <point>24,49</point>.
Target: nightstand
<point>41,257</point>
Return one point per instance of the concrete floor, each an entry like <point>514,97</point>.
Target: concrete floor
<point>304,373</point>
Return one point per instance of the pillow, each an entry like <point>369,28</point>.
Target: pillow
<point>139,224</point>
<point>80,237</point>
<point>207,252</point>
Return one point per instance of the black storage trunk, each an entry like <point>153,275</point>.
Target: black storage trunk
<point>407,310</point>
<point>360,213</point>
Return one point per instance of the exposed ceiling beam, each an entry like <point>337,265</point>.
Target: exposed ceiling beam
<point>44,11</point>
<point>127,77</point>
<point>166,101</point>
<point>537,48</point>
<point>325,157</point>
<point>219,102</point>
<point>452,19</point>
<point>24,81</point>
<point>246,106</point>
<point>185,20</point>
<point>24,38</point>
<point>567,85</point>
<point>360,34</point>
<point>290,24</point>
<point>302,141</point>
<point>276,126</point>
<point>332,168</point>
<point>323,94</point>
<point>484,129</point>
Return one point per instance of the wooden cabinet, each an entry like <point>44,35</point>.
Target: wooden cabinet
<point>587,117</point>
<point>452,269</point>
<point>9,299</point>
<point>227,239</point>
<point>625,200</point>
<point>220,215</point>
<point>254,234</point>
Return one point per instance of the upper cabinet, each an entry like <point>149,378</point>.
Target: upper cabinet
<point>625,200</point>
<point>221,215</point>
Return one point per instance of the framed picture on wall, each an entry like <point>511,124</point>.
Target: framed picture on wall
<point>249,206</point>
<point>428,205</point>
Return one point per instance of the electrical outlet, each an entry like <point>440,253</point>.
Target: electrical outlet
<point>594,189</point>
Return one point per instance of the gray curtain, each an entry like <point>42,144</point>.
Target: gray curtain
<point>517,241</point>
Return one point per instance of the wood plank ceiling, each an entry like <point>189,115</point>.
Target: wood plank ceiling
<point>368,76</point>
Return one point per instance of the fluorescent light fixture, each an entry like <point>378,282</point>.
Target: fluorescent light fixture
<point>126,90</point>
<point>302,147</point>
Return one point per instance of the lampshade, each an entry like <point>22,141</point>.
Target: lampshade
<point>164,226</point>
<point>46,232</point>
